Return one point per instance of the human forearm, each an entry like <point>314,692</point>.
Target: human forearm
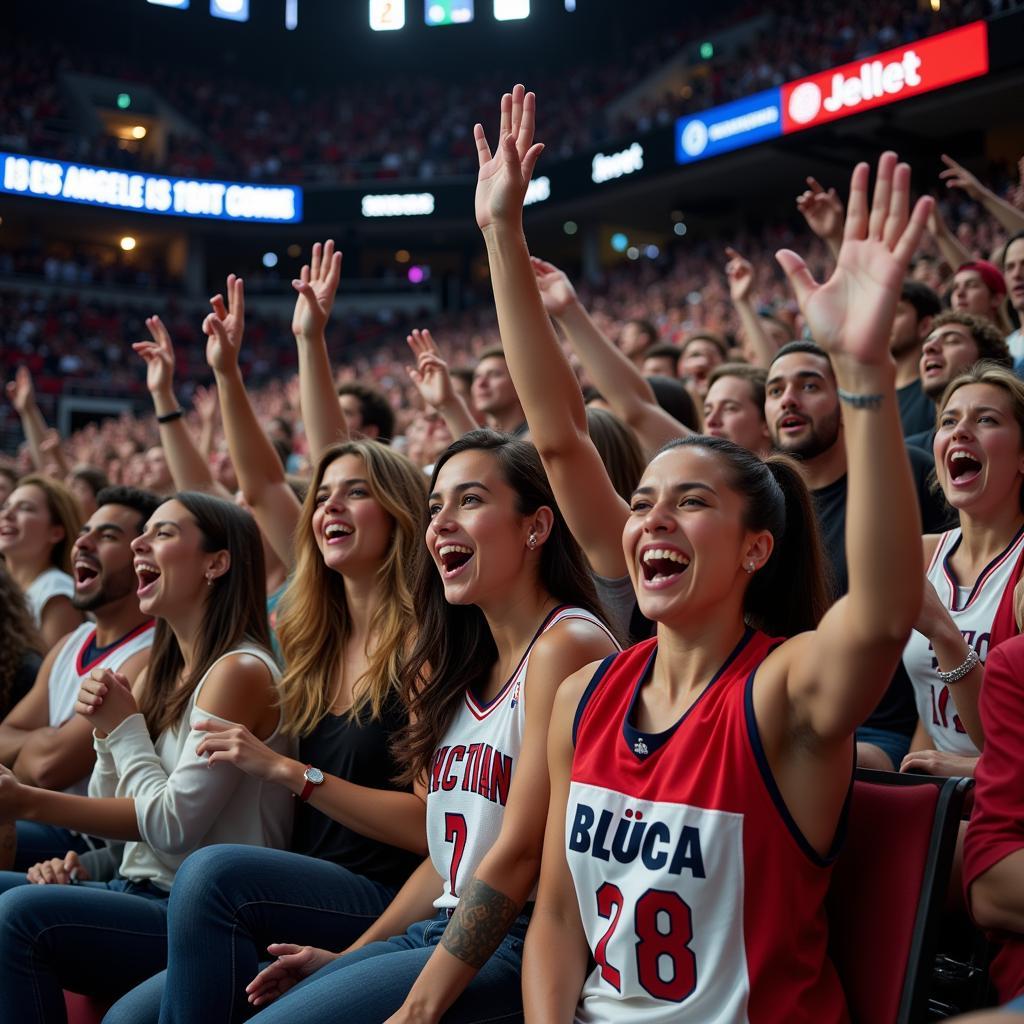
<point>545,383</point>
<point>414,902</point>
<point>552,985</point>
<point>883,552</point>
<point>457,417</point>
<point>34,426</point>
<point>321,414</point>
<point>11,742</point>
<point>387,816</point>
<point>950,650</point>
<point>188,468</point>
<point>53,759</point>
<point>759,346</point>
<point>110,818</point>
<point>1011,219</point>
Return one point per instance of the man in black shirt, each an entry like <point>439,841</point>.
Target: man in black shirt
<point>914,312</point>
<point>803,414</point>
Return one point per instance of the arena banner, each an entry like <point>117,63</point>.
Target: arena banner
<point>731,126</point>
<point>919,67</point>
<point>39,178</point>
<point>910,70</point>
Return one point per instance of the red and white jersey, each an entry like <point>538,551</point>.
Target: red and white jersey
<point>701,900</point>
<point>471,773</point>
<point>70,669</point>
<point>973,609</point>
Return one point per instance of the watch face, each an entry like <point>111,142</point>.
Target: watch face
<point>313,775</point>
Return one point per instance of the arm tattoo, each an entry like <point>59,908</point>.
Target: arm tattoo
<point>479,923</point>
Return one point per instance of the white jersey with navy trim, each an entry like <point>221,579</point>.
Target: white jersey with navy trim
<point>973,610</point>
<point>472,769</point>
<point>70,669</point>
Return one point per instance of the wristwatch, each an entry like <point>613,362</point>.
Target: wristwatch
<point>314,777</point>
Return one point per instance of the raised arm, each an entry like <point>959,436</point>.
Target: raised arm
<point>204,401</point>
<point>189,470</point>
<point>837,675</point>
<point>957,176</point>
<point>621,384</point>
<point>546,385</point>
<point>22,395</point>
<point>431,379</point>
<point>740,273</point>
<point>316,285</point>
<point>951,248</point>
<point>823,212</point>
<point>259,470</point>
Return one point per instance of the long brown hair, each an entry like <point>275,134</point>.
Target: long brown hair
<point>789,593</point>
<point>63,509</point>
<point>235,610</point>
<point>619,449</point>
<point>454,647</point>
<point>18,635</point>
<point>315,622</point>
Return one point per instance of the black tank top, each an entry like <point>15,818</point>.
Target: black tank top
<point>359,752</point>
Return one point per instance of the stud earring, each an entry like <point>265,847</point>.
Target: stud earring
<point>532,541</point>
<point>750,567</point>
<point>209,581</point>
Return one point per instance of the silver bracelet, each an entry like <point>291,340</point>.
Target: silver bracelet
<point>860,401</point>
<point>956,674</point>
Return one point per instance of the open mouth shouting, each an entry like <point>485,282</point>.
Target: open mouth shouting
<point>148,574</point>
<point>337,533</point>
<point>453,558</point>
<point>86,573</point>
<point>932,367</point>
<point>963,467</point>
<point>661,566</point>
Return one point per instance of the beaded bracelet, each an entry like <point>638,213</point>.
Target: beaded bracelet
<point>954,675</point>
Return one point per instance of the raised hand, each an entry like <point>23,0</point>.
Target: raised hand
<point>206,403</point>
<point>316,285</point>
<point>822,210</point>
<point>556,290</point>
<point>504,176</point>
<point>236,745</point>
<point>20,391</point>
<point>58,871</point>
<point>957,176</point>
<point>159,357</point>
<point>740,274</point>
<point>225,326</point>
<point>852,313</point>
<point>430,374</point>
<point>293,963</point>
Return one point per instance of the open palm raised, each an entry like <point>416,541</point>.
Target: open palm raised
<point>504,176</point>
<point>851,314</point>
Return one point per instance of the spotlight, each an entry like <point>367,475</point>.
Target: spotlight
<point>127,243</point>
<point>139,132</point>
<point>570,227</point>
<point>619,241</point>
<point>270,260</point>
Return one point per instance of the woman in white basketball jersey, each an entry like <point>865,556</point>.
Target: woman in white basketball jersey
<point>972,569</point>
<point>505,607</point>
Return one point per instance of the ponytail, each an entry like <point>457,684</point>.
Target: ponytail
<point>788,595</point>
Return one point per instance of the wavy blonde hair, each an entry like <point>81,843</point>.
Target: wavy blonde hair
<point>315,623</point>
<point>63,509</point>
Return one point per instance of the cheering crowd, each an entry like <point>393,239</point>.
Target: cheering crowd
<point>506,701</point>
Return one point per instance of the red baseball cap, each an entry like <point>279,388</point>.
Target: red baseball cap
<point>989,273</point>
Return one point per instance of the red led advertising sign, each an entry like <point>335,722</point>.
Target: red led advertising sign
<point>899,74</point>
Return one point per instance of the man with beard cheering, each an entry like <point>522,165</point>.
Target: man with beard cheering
<point>802,408</point>
<point>42,738</point>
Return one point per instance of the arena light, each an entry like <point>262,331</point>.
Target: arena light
<point>405,204</point>
<point>538,191</point>
<point>139,132</point>
<point>511,10</point>
<point>124,100</point>
<point>33,177</point>
<point>181,5</point>
<point>231,10</point>
<point>270,260</point>
<point>291,14</point>
<point>387,15</point>
<point>447,12</point>
<point>607,168</point>
<point>128,243</point>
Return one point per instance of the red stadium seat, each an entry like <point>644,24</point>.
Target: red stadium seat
<point>84,1009</point>
<point>888,891</point>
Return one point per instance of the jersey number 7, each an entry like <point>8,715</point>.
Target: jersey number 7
<point>455,832</point>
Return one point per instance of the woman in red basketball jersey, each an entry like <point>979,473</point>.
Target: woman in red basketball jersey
<point>699,779</point>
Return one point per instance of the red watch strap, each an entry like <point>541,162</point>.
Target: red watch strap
<point>307,789</point>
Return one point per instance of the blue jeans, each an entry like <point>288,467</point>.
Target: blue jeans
<point>228,904</point>
<point>38,842</point>
<point>99,938</point>
<point>367,986</point>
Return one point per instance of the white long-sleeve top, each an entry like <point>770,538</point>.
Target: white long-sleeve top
<point>182,803</point>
